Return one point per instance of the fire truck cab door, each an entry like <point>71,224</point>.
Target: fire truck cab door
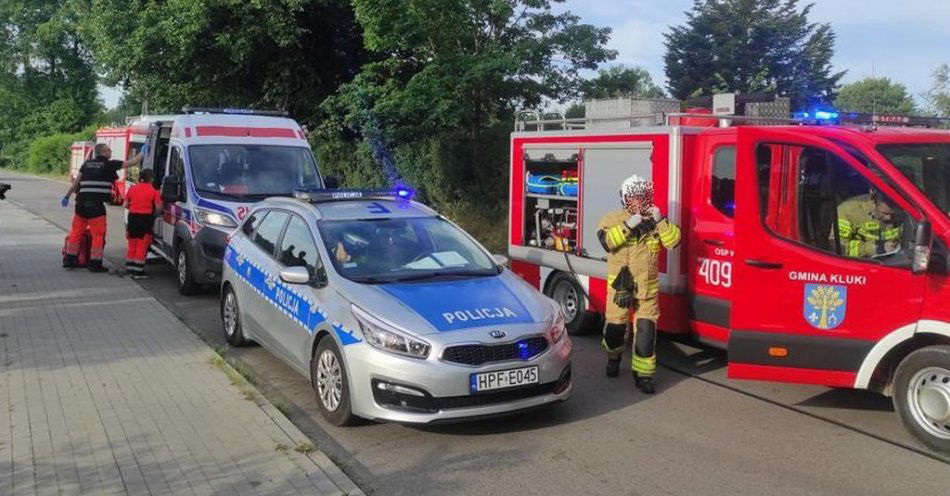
<point>813,289</point>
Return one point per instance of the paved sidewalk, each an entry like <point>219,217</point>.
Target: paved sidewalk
<point>104,391</point>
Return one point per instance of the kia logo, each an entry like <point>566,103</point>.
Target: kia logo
<point>497,334</point>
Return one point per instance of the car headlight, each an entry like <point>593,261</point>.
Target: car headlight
<point>211,218</point>
<point>386,338</point>
<point>556,332</point>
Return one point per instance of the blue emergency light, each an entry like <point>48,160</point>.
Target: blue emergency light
<point>400,192</point>
<point>819,116</point>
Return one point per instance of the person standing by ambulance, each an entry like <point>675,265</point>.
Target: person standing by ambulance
<point>94,186</point>
<point>632,237</point>
<point>143,202</point>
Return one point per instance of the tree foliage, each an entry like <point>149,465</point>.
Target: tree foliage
<point>434,106</point>
<point>938,97</point>
<point>877,95</point>
<point>621,81</point>
<point>287,54</point>
<point>751,46</point>
<point>47,82</point>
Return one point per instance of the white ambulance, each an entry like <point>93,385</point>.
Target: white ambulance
<point>211,166</point>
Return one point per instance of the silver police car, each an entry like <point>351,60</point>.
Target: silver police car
<point>392,311</point>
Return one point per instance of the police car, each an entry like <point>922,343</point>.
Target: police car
<point>392,311</point>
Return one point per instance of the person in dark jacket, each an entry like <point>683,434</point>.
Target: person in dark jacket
<point>93,188</point>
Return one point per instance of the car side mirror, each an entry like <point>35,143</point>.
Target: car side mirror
<point>171,189</point>
<point>923,240</point>
<point>501,259</point>
<point>295,275</point>
<point>331,182</point>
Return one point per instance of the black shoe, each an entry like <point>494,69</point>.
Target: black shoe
<point>70,261</point>
<point>613,367</point>
<point>645,384</point>
<point>96,266</point>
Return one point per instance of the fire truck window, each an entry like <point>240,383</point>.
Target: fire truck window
<point>723,194</point>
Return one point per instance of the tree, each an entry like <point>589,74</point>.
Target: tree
<point>47,81</point>
<point>621,81</point>
<point>938,98</point>
<point>877,95</point>
<point>286,54</point>
<point>751,46</point>
<point>435,104</point>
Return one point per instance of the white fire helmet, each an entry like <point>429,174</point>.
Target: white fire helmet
<point>636,194</point>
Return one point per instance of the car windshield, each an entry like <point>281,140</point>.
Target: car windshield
<point>927,165</point>
<point>252,172</point>
<point>377,251</point>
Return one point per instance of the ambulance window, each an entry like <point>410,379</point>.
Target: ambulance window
<point>723,193</point>
<point>269,231</point>
<point>297,248</point>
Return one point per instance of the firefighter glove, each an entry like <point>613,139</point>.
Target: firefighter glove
<point>64,202</point>
<point>624,288</point>
<point>633,221</point>
<point>654,213</point>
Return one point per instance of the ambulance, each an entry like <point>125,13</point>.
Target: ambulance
<point>764,270</point>
<point>211,166</point>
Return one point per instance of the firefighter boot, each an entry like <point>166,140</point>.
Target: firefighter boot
<point>644,355</point>
<point>614,337</point>
<point>613,367</point>
<point>644,384</point>
<point>70,261</point>
<point>96,266</point>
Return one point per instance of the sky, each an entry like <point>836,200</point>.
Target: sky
<point>904,40</point>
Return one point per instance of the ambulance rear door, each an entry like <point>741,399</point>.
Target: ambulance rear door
<point>803,310</point>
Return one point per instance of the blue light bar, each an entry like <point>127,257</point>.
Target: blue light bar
<point>188,109</point>
<point>402,193</point>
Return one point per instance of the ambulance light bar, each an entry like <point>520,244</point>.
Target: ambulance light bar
<point>399,192</point>
<point>188,109</point>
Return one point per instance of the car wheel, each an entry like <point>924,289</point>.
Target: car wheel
<point>328,375</point>
<point>231,317</point>
<point>187,285</point>
<point>565,290</point>
<point>922,396</point>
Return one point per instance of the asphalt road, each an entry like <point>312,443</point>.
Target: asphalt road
<point>700,434</point>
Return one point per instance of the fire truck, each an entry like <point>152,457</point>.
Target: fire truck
<point>767,269</point>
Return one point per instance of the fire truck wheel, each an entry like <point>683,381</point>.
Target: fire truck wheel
<point>922,395</point>
<point>565,290</point>
<point>329,379</point>
<point>187,285</point>
<point>231,317</point>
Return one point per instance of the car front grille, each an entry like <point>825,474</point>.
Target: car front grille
<point>479,354</point>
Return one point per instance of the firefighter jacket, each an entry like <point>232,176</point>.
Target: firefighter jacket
<point>637,249</point>
<point>860,234</point>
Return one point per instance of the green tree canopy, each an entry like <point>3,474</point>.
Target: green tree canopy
<point>751,46</point>
<point>47,81</point>
<point>435,104</point>
<point>879,95</point>
<point>938,98</point>
<point>621,81</point>
<point>287,54</point>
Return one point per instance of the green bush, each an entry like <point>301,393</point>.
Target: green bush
<point>50,154</point>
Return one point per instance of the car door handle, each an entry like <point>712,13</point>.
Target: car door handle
<point>762,264</point>
<point>714,242</point>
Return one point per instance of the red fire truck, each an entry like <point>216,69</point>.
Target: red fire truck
<point>763,271</point>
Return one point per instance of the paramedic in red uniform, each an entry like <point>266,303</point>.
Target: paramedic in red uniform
<point>93,188</point>
<point>143,201</point>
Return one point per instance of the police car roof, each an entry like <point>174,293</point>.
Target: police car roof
<point>354,209</point>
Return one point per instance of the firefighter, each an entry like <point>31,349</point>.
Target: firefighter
<point>632,237</point>
<point>143,201</point>
<point>867,226</point>
<point>94,185</point>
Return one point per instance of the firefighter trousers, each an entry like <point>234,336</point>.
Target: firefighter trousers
<point>618,326</point>
<point>97,228</point>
